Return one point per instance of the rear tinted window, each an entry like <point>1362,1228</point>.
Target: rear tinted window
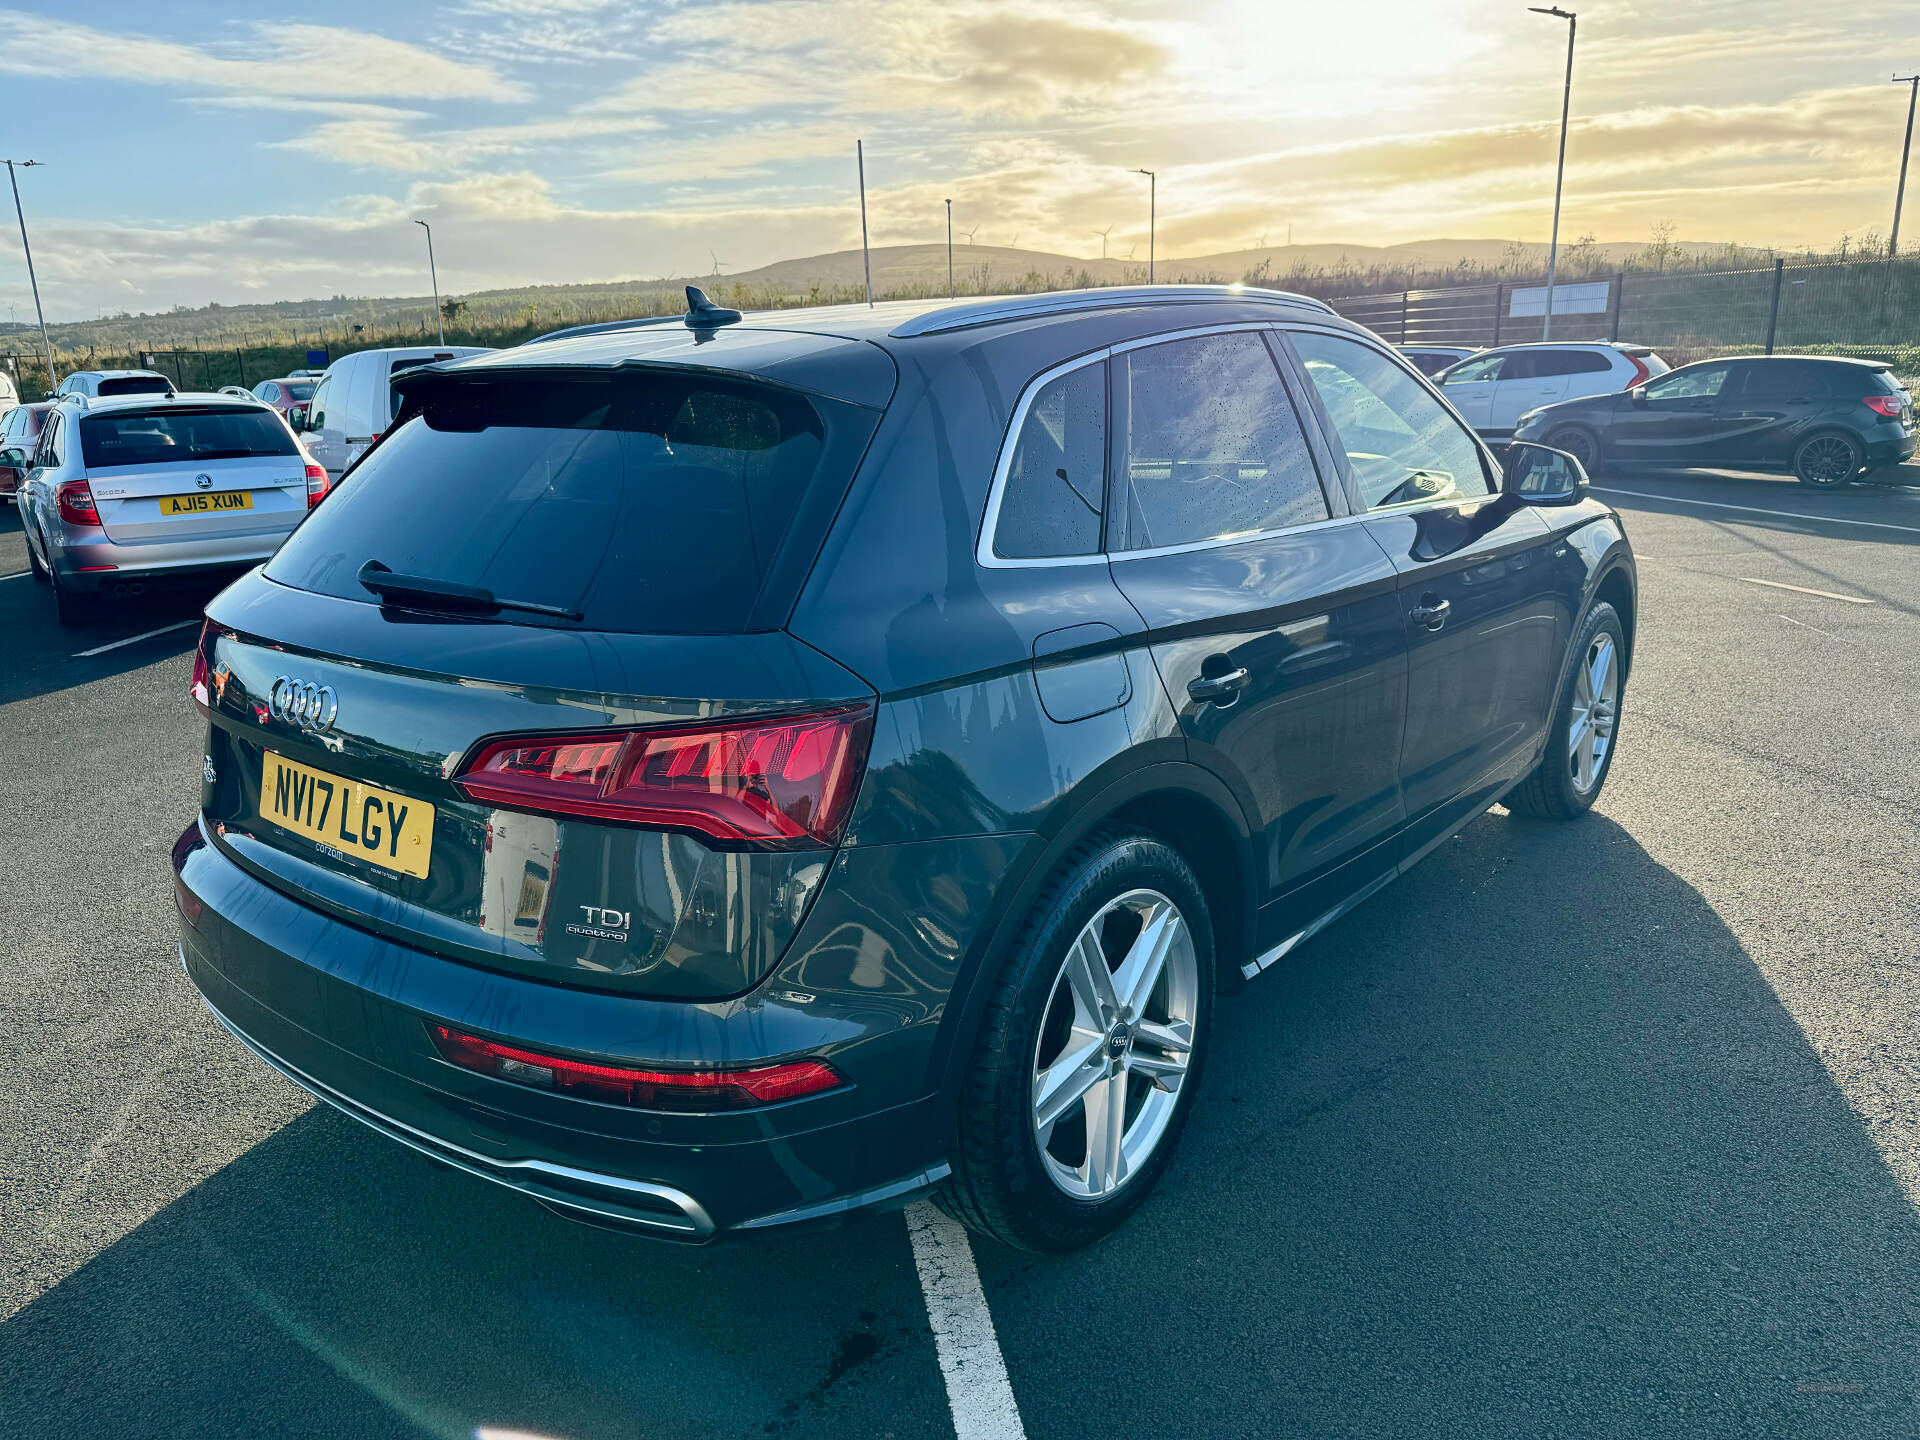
<point>180,435</point>
<point>135,385</point>
<point>1787,379</point>
<point>298,389</point>
<point>1056,481</point>
<point>659,503</point>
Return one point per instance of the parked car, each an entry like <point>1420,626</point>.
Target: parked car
<point>717,776</point>
<point>9,393</point>
<point>93,383</point>
<point>1495,387</point>
<point>306,374</point>
<point>355,401</point>
<point>19,432</point>
<point>285,393</point>
<point>1826,420</point>
<point>129,493</point>
<point>1432,359</point>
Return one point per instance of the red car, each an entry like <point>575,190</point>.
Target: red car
<point>19,433</point>
<point>284,394</point>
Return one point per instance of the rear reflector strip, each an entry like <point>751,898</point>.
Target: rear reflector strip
<point>681,1090</point>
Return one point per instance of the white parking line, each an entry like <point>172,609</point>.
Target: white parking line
<point>1803,590</point>
<point>17,575</point>
<point>978,1391</point>
<point>145,635</point>
<point>1756,510</point>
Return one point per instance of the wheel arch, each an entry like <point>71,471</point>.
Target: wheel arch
<point>1617,588</point>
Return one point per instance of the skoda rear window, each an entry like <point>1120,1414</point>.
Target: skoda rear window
<point>181,435</point>
<point>658,502</point>
<point>134,385</point>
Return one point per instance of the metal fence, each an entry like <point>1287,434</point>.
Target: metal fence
<point>1869,309</point>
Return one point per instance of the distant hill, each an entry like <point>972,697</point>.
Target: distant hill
<point>899,271</point>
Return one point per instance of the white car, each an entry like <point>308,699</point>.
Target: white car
<point>355,401</point>
<point>1432,359</point>
<point>96,383</point>
<point>1493,389</point>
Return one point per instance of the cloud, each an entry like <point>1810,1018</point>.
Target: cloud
<point>281,59</point>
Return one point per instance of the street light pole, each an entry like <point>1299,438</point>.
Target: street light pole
<point>1912,82</point>
<point>1153,202</point>
<point>28,249</point>
<point>1560,171</point>
<point>950,249</point>
<point>439,318</point>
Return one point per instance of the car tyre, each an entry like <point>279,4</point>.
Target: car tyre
<point>1035,1168</point>
<point>69,606</point>
<point>1586,723</point>
<point>1828,460</point>
<point>34,566</point>
<point>1579,442</point>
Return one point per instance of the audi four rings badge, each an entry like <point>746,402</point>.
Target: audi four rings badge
<point>300,702</point>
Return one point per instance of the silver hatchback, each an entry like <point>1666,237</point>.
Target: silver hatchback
<point>126,494</point>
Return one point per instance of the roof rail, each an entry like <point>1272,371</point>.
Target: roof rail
<point>1057,302</point>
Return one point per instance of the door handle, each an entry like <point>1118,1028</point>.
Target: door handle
<point>1431,612</point>
<point>1221,689</point>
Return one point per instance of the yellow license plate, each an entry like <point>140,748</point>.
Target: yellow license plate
<point>207,504</point>
<point>392,831</point>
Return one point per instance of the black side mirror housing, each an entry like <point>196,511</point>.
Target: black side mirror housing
<point>1541,475</point>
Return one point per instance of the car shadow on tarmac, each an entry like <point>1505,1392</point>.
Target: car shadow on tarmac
<point>1525,1146</point>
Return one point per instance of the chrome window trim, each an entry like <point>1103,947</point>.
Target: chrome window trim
<point>990,559</point>
<point>1062,302</point>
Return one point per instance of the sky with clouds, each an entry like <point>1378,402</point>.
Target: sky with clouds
<point>197,151</point>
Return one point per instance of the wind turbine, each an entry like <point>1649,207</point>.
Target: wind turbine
<point>1131,248</point>
<point>717,262</point>
<point>1103,240</point>
<point>971,233</point>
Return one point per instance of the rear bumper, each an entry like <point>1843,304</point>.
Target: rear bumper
<point>343,1013</point>
<point>1890,450</point>
<point>87,561</point>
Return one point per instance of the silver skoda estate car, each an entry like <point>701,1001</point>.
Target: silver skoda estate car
<point>128,493</point>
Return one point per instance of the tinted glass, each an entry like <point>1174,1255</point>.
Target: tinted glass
<point>1213,447</point>
<point>1689,383</point>
<point>1401,443</point>
<point>134,385</point>
<point>180,436</point>
<point>297,390</point>
<point>1486,367</point>
<point>1567,362</point>
<point>1786,379</point>
<point>1056,482</point>
<point>654,503</point>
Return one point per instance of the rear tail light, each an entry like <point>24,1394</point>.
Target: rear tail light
<point>198,687</point>
<point>1887,405</point>
<point>75,500</point>
<point>1640,372</point>
<point>317,485</point>
<point>779,784</point>
<point>684,1090</point>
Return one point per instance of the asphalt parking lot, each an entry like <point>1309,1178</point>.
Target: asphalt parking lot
<point>1600,1129</point>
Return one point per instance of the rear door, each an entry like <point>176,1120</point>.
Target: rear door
<point>1469,387</point>
<point>1766,407</point>
<point>1672,420</point>
<point>1532,378</point>
<point>1477,590</point>
<point>192,472</point>
<point>1274,625</point>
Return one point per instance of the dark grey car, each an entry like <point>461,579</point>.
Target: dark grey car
<point>719,774</point>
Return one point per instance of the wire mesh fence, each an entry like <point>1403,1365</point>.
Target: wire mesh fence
<point>1869,309</point>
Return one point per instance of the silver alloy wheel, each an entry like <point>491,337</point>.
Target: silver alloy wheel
<point>1828,459</point>
<point>1596,706</point>
<point>1115,1043</point>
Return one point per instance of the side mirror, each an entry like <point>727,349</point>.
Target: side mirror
<point>14,459</point>
<point>1638,394</point>
<point>1540,475</point>
<point>297,416</point>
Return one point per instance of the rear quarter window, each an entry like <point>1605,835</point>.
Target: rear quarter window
<point>653,502</point>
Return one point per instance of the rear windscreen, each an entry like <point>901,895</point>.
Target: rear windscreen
<point>659,502</point>
<point>136,385</point>
<point>181,434</point>
<point>298,389</point>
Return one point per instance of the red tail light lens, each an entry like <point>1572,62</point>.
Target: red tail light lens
<point>317,485</point>
<point>1887,405</point>
<point>198,687</point>
<point>1640,372</point>
<point>684,1090</point>
<point>75,500</point>
<point>778,784</point>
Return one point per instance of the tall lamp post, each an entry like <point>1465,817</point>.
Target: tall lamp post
<point>1912,82</point>
<point>1153,201</point>
<point>1560,171</point>
<point>14,180</point>
<point>950,249</point>
<point>439,318</point>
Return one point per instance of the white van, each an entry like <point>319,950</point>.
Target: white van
<point>354,401</point>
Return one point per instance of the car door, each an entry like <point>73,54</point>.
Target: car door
<point>367,400</point>
<point>1530,379</point>
<point>1485,615</point>
<point>1469,385</point>
<point>323,434</point>
<point>1766,407</point>
<point>1273,622</point>
<point>1673,420</point>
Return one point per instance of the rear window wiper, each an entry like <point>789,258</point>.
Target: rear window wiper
<point>425,592</point>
